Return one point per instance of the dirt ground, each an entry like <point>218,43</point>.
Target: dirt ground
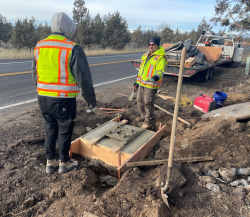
<point>26,190</point>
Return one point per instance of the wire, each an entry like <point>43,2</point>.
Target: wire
<point>184,101</point>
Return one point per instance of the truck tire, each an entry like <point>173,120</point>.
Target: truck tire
<point>205,75</point>
<point>202,76</point>
<point>211,71</point>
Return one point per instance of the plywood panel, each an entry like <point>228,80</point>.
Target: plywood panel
<point>212,53</point>
<point>239,111</point>
<point>165,46</point>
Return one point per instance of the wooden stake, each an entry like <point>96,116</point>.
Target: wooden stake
<point>180,160</point>
<point>113,112</point>
<point>180,119</point>
<point>165,97</point>
<point>122,94</point>
<point>109,109</point>
<point>119,164</point>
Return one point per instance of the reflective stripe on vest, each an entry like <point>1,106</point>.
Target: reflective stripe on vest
<point>151,68</point>
<point>150,74</point>
<point>148,83</point>
<point>61,82</point>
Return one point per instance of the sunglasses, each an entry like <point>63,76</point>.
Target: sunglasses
<point>151,44</point>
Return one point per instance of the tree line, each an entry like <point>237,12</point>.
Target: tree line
<point>109,31</point>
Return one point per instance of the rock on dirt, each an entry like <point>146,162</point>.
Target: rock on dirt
<point>108,180</point>
<point>243,171</point>
<point>247,188</point>
<point>213,187</point>
<point>207,179</point>
<point>177,179</point>
<point>240,182</point>
<point>215,174</point>
<point>227,175</point>
<point>239,192</point>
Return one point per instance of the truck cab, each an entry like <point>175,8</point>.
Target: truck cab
<point>230,49</point>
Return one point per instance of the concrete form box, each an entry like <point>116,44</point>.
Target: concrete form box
<point>135,150</point>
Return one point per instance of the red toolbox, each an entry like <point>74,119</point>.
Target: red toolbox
<point>204,103</point>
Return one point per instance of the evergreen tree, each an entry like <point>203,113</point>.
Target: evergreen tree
<point>115,34</point>
<point>97,27</point>
<point>202,26</point>
<point>148,35</point>
<point>234,14</point>
<point>79,11</point>
<point>84,32</point>
<point>43,32</point>
<point>166,35</point>
<point>5,29</point>
<point>176,36</point>
<point>23,34</point>
<point>137,37</point>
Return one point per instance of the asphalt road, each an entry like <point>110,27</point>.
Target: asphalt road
<point>16,84</point>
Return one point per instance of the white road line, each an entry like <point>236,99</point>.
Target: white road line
<point>17,62</point>
<point>16,104</point>
<point>96,85</point>
<point>114,80</point>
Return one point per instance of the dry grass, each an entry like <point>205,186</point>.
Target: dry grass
<point>8,54</point>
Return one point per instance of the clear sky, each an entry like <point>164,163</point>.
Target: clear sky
<point>184,14</point>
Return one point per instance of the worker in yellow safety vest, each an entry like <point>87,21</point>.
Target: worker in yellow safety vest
<point>149,79</point>
<point>60,68</point>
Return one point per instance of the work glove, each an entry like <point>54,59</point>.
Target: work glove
<point>90,108</point>
<point>135,84</point>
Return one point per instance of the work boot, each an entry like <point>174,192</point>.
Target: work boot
<point>51,166</point>
<point>65,167</point>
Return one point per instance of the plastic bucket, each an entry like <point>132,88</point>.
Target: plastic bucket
<point>219,98</point>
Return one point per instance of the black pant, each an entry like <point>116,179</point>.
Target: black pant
<point>59,115</point>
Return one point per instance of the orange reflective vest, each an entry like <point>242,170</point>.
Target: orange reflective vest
<point>54,77</point>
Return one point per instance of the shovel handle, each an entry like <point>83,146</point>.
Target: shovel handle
<point>175,118</point>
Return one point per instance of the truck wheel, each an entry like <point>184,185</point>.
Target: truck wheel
<point>202,76</point>
<point>205,75</point>
<point>211,71</point>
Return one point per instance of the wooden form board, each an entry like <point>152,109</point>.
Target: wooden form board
<point>118,160</point>
<point>239,111</point>
<point>212,53</point>
<point>103,149</point>
<point>143,151</point>
<point>97,152</point>
<point>189,62</point>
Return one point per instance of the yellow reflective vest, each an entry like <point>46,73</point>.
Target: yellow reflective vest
<point>54,77</point>
<point>152,65</point>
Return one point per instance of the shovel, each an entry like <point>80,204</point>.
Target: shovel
<point>174,125</point>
